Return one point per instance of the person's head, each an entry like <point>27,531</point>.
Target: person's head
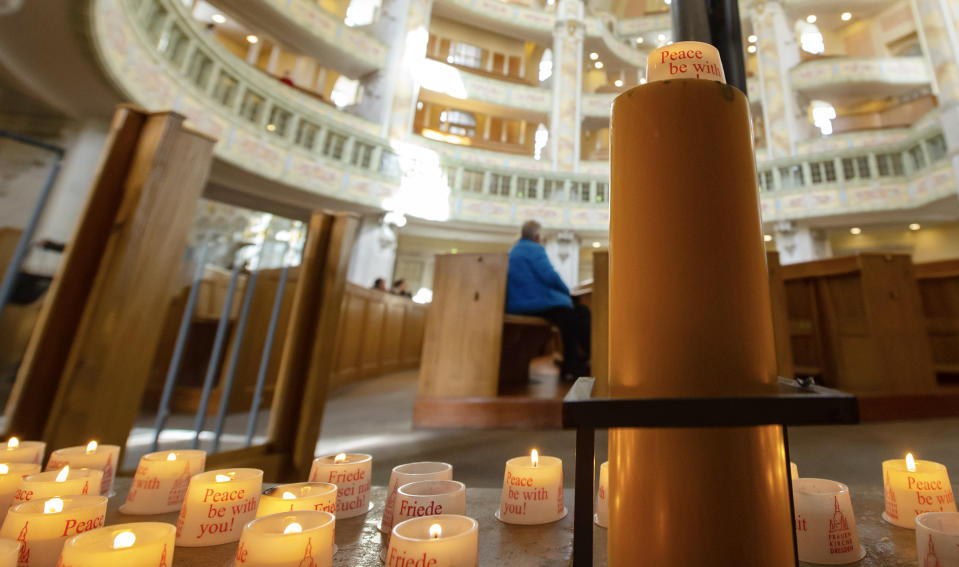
<point>379,284</point>
<point>399,285</point>
<point>530,231</point>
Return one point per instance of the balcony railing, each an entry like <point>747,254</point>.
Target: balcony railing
<point>161,58</point>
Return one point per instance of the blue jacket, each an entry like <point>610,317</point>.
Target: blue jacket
<point>532,284</point>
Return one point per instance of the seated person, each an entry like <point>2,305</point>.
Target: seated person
<point>399,288</point>
<point>534,288</point>
<point>380,284</point>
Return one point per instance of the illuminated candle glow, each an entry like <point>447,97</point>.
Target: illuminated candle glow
<point>143,544</point>
<point>65,482</point>
<point>304,537</point>
<point>427,498</point>
<point>90,456</point>
<point>435,540</point>
<point>351,475</point>
<point>18,451</point>
<point>532,490</point>
<point>42,526</point>
<point>10,476</point>
<point>161,480</point>
<point>912,487</point>
<point>299,496</point>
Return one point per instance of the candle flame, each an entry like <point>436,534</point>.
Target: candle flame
<point>436,531</point>
<point>92,447</point>
<point>171,457</point>
<point>53,506</point>
<point>287,495</point>
<point>13,443</point>
<point>223,478</point>
<point>910,462</point>
<point>124,540</point>
<point>534,456</point>
<point>4,469</point>
<point>63,474</point>
<point>293,528</point>
<point>341,458</point>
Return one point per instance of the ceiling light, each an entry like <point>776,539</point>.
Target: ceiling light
<point>594,56</point>
<point>752,38</point>
<point>252,38</point>
<point>218,18</point>
<point>811,18</point>
<point>661,37</point>
<point>640,39</point>
<point>855,230</point>
<point>618,82</point>
<point>596,245</point>
<point>642,81</point>
<point>751,49</point>
<point>914,226</point>
<point>271,127</point>
<point>846,16</point>
<point>667,2</point>
<point>767,238</point>
<point>598,64</point>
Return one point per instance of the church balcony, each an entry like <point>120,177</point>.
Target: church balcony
<point>850,80</point>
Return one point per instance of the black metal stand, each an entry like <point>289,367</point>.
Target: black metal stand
<point>792,405</point>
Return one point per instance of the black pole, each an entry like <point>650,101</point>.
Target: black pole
<point>715,22</point>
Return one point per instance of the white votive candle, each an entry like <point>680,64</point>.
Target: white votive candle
<point>937,539</point>
<point>17,451</point>
<point>10,551</point>
<point>602,497</point>
<point>446,540</point>
<point>532,490</point>
<point>303,537</point>
<point>350,472</point>
<point>217,506</point>
<point>42,526</point>
<point>300,496</point>
<point>913,487</point>
<point>90,456</point>
<point>161,480</point>
<point>64,482</point>
<point>405,474</point>
<point>10,476</point>
<point>143,544</point>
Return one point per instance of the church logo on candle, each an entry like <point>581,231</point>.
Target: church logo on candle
<point>892,509</point>
<point>840,536</point>
<point>163,557</point>
<point>308,560</point>
<point>931,559</point>
<point>178,492</point>
<point>24,547</point>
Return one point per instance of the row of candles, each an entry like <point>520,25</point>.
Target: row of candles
<point>57,518</point>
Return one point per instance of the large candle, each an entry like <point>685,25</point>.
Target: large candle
<point>90,456</point>
<point>299,496</point>
<point>10,476</point>
<point>217,506</point>
<point>17,451</point>
<point>143,544</point>
<point>690,317</point>
<point>42,526</point>
<point>913,487</point>
<point>532,490</point>
<point>161,480</point>
<point>446,540</point>
<point>9,551</point>
<point>405,474</point>
<point>304,537</point>
<point>350,472</point>
<point>64,482</point>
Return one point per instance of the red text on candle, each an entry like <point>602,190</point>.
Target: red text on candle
<point>346,476</point>
<point>224,495</point>
<point>74,526</point>
<point>431,509</point>
<point>401,560</point>
<point>518,480</point>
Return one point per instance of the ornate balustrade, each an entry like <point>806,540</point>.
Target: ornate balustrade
<point>849,73</point>
<point>160,57</point>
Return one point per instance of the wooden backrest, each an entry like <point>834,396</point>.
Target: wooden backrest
<point>939,290</point>
<point>777,297</point>
<point>87,364</point>
<point>860,319</point>
<point>464,326</point>
<point>599,308</point>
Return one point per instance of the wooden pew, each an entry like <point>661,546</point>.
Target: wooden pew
<point>939,290</point>
<point>856,324</point>
<point>473,352</point>
<point>777,297</point>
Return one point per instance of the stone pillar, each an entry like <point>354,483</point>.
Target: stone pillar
<point>778,53</point>
<point>374,253</point>
<point>253,52</point>
<point>563,252</point>
<point>567,81</point>
<point>389,94</point>
<point>274,61</point>
<point>797,244</point>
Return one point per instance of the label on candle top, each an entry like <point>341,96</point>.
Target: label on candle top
<point>685,60</point>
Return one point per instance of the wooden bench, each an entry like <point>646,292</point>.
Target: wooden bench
<point>939,290</point>
<point>475,357</point>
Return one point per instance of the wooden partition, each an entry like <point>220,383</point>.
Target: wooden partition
<point>599,311</point>
<point>856,324</point>
<point>777,296</point>
<point>87,362</point>
<point>379,333</point>
<point>939,289</point>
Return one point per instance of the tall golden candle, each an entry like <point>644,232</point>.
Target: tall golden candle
<point>690,317</point>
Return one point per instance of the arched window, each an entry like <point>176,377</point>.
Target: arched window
<point>345,92</point>
<point>823,114</point>
<point>540,139</point>
<point>458,122</point>
<point>361,12</point>
<point>810,38</point>
<point>546,65</point>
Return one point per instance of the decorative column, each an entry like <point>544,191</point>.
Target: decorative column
<point>563,253</point>
<point>389,94</point>
<point>567,81</point>
<point>796,244</point>
<point>778,53</point>
<point>374,253</point>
